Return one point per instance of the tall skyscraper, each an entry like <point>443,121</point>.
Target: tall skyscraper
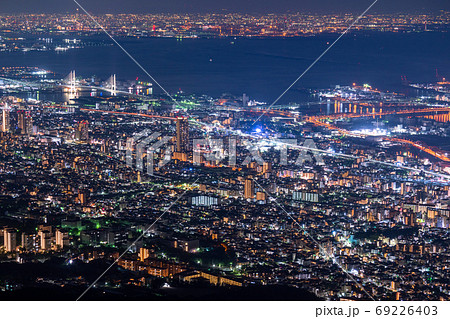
<point>30,242</point>
<point>249,189</point>
<point>83,196</point>
<point>45,237</point>
<point>28,123</point>
<point>182,135</point>
<point>144,253</point>
<point>5,119</point>
<point>25,122</point>
<point>62,238</point>
<point>82,132</point>
<point>10,239</point>
<point>21,120</point>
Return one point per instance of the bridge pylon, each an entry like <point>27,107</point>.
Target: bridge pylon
<point>112,84</point>
<point>71,81</point>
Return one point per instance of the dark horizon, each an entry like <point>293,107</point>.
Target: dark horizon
<point>231,6</point>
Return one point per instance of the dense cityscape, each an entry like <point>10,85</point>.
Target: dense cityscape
<point>184,196</point>
<point>219,25</point>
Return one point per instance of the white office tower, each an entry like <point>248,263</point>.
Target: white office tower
<point>5,119</point>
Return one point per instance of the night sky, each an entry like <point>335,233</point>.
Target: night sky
<point>217,6</point>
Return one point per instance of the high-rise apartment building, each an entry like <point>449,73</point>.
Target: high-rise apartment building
<point>182,135</point>
<point>249,189</point>
<point>62,238</point>
<point>25,122</point>
<point>5,119</point>
<point>10,239</point>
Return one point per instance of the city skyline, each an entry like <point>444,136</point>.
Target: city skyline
<point>248,6</point>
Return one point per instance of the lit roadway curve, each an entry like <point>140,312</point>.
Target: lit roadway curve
<point>318,121</point>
